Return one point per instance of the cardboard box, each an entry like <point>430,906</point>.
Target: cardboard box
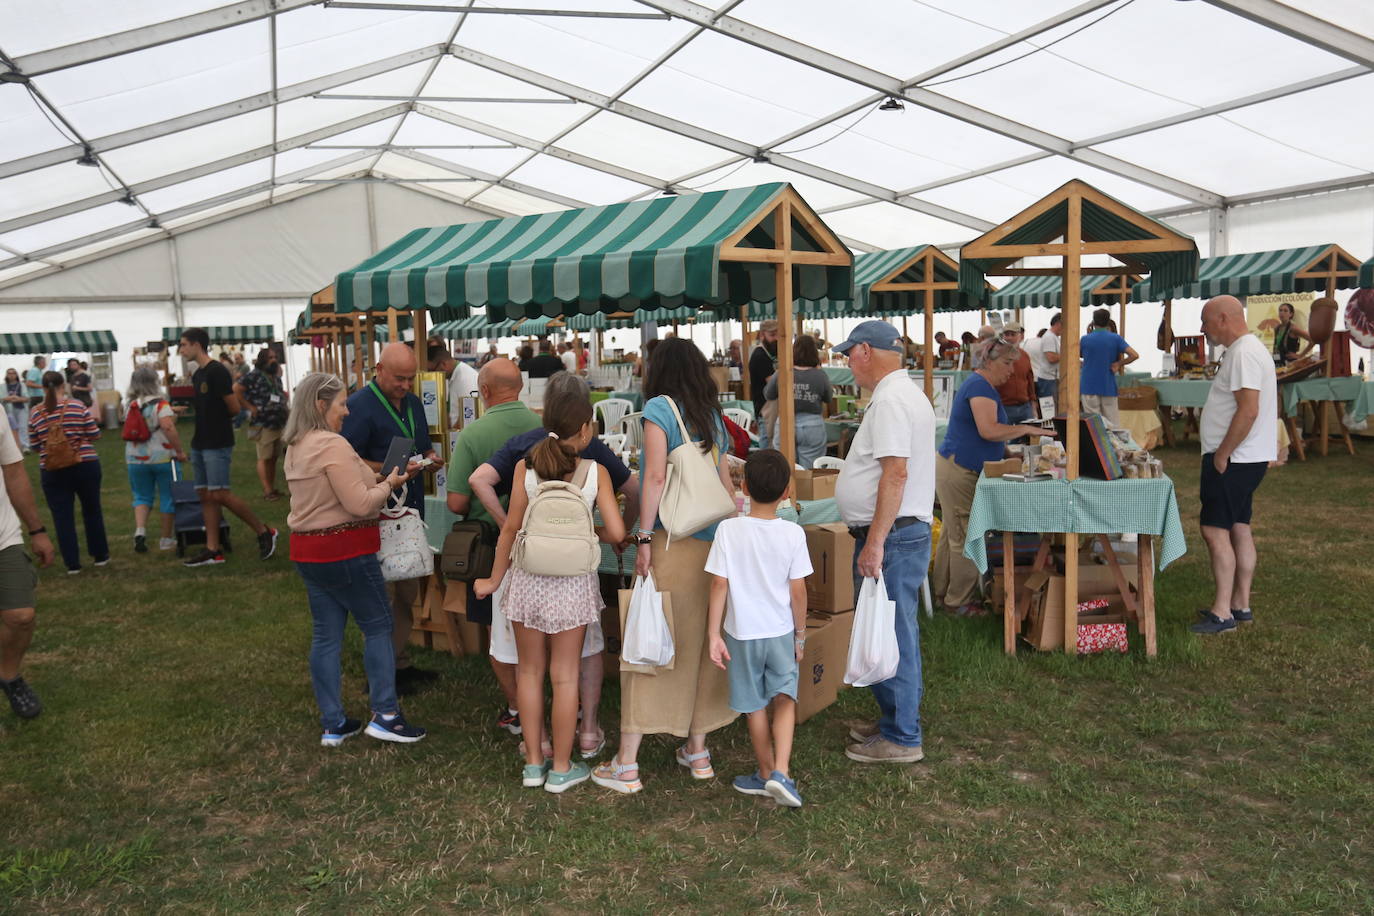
<point>815,484</point>
<point>1005,466</point>
<point>821,672</point>
<point>721,376</point>
<point>830,587</point>
<point>1044,627</point>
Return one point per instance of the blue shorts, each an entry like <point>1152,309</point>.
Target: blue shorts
<point>211,466</point>
<point>760,669</point>
<point>145,480</point>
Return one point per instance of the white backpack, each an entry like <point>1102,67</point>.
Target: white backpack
<point>557,538</point>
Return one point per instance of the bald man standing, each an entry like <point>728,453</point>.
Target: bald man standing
<point>1240,435</point>
<point>377,413</point>
<point>505,416</point>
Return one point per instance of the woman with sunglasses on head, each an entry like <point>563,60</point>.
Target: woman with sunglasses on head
<point>978,431</point>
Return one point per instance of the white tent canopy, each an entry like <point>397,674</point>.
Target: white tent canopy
<point>206,159</point>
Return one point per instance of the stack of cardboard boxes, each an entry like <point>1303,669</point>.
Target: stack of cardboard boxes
<point>829,618</point>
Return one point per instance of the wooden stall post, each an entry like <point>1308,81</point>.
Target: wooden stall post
<point>928,359</point>
<point>417,323</point>
<point>786,407</point>
<point>358,350</point>
<point>746,339</point>
<point>1069,374</point>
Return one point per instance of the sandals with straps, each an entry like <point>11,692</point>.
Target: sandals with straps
<point>688,760</point>
<point>609,776</point>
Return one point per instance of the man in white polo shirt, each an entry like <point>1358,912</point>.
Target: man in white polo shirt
<point>1044,356</point>
<point>1240,435</point>
<point>886,494</point>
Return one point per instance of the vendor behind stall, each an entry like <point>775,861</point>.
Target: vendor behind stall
<point>978,431</point>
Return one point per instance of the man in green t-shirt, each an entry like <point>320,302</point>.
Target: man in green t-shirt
<point>504,417</point>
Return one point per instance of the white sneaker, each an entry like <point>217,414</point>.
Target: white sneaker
<point>167,544</point>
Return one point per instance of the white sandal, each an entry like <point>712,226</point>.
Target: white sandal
<point>687,760</point>
<point>608,776</point>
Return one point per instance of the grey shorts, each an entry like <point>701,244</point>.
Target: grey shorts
<point>18,579</point>
<point>760,669</point>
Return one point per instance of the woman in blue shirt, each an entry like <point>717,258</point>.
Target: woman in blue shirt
<point>978,431</point>
<point>693,697</point>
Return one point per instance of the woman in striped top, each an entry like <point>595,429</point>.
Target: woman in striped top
<point>63,430</point>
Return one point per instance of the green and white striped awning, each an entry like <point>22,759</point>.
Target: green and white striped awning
<point>223,334</point>
<point>654,253</point>
<point>1251,274</point>
<point>1367,274</point>
<point>1099,224</point>
<point>1047,293</point>
<point>43,342</point>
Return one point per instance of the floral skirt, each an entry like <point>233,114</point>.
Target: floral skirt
<point>552,604</point>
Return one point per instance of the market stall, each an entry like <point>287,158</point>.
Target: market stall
<point>1074,221</point>
<point>718,250</point>
<point>97,344</point>
<point>1315,268</point>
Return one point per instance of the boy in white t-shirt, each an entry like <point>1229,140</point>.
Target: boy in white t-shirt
<point>760,564</point>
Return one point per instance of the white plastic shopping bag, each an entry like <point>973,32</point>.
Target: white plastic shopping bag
<point>502,633</point>
<point>873,654</point>
<point>647,639</point>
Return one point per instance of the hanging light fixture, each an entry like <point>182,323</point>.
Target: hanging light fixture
<point>892,103</point>
<point>128,199</point>
<point>87,157</point>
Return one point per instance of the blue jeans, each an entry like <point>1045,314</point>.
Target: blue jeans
<point>1019,413</point>
<point>1046,387</point>
<point>63,488</point>
<point>906,557</point>
<point>335,590</point>
<point>811,440</point>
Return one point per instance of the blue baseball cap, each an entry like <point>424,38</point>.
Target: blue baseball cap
<point>877,334</point>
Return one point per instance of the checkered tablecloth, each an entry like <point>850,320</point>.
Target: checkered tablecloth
<point>1084,506</point>
<point>1351,389</point>
<point>440,520</point>
<point>1180,392</point>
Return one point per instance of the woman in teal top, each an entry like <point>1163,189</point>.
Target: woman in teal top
<point>691,698</point>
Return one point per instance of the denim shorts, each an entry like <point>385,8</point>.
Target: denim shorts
<point>211,466</point>
<point>760,669</point>
<point>145,480</point>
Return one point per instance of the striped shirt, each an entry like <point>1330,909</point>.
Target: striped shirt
<point>77,423</point>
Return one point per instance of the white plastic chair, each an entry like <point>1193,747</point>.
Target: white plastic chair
<point>611,411</point>
<point>828,461</point>
<point>614,441</point>
<point>740,417</point>
<point>632,428</point>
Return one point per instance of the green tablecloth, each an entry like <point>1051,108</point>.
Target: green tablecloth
<point>440,520</point>
<point>839,375</point>
<point>1351,389</point>
<point>1131,379</point>
<point>1180,392</point>
<point>634,397</point>
<point>1083,506</point>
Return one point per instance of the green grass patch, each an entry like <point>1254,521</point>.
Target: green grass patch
<point>177,764</point>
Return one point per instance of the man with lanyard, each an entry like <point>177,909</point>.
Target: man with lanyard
<point>762,363</point>
<point>377,413</point>
<point>886,495</point>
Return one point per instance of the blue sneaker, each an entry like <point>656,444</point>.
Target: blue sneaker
<point>751,784</point>
<point>335,736</point>
<point>395,729</point>
<point>784,790</point>
<point>1211,624</point>
<point>534,774</point>
<point>576,772</point>
<point>1240,615</point>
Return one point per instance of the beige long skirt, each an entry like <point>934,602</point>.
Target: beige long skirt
<point>693,697</point>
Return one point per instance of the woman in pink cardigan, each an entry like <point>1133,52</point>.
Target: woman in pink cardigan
<point>335,500</point>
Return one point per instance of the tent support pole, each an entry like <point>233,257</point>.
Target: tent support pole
<point>1073,240</point>
<point>782,217</point>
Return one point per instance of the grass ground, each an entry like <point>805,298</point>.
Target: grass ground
<point>177,766</point>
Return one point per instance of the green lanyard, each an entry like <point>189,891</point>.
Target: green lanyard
<point>407,427</point>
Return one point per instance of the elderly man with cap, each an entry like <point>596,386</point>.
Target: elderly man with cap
<point>886,494</point>
<point>377,413</point>
<point>762,364</point>
<point>1018,391</point>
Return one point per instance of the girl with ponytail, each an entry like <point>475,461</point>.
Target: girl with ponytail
<point>550,613</point>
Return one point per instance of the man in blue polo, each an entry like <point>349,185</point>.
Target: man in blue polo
<point>1104,353</point>
<point>377,413</point>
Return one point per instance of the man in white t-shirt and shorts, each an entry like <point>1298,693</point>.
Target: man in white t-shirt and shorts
<point>886,495</point>
<point>18,579</point>
<point>1239,432</point>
